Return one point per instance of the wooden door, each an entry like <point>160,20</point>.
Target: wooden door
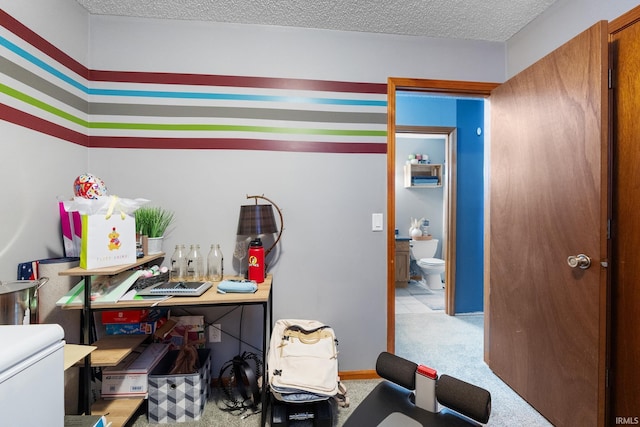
<point>625,46</point>
<point>548,201</point>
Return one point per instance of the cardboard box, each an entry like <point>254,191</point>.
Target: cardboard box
<point>143,328</point>
<point>124,316</point>
<point>130,377</point>
<point>85,421</point>
<point>133,316</point>
<point>193,326</point>
<point>163,330</point>
<point>179,397</point>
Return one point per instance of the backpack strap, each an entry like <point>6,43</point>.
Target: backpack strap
<point>306,331</point>
<point>308,337</point>
<point>341,397</point>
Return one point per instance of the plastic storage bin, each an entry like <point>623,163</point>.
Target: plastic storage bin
<point>178,398</point>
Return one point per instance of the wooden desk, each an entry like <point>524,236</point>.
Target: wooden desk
<point>211,298</point>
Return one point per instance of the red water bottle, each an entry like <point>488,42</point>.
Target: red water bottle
<point>256,261</point>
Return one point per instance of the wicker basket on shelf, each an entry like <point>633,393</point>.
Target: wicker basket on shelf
<point>427,237</point>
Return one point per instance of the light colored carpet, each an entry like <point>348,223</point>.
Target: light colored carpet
<point>452,345</point>
<point>213,416</point>
<point>434,299</point>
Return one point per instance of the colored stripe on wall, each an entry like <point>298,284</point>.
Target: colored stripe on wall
<point>43,89</point>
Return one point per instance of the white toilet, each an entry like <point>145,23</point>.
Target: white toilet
<point>432,268</point>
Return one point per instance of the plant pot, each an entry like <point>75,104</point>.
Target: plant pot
<point>154,245</point>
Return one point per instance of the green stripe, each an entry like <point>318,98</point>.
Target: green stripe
<point>185,127</point>
<point>36,82</point>
<point>41,105</point>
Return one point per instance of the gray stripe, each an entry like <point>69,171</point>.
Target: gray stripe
<point>146,110</point>
<point>36,82</point>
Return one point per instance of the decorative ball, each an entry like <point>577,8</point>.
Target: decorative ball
<point>89,186</point>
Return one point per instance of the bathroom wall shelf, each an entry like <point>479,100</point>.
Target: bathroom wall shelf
<point>422,176</point>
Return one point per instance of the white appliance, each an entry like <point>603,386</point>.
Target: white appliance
<point>432,268</point>
<point>31,375</point>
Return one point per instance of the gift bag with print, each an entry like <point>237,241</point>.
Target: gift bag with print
<point>108,230</point>
<point>107,240</point>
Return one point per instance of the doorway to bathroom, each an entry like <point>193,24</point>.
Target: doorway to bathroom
<point>462,295</point>
<point>424,187</point>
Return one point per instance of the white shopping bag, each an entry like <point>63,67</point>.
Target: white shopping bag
<point>108,238</point>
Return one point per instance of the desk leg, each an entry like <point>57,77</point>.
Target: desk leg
<point>86,325</point>
<point>267,310</point>
<point>265,385</point>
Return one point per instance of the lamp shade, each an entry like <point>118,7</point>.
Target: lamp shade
<point>256,219</point>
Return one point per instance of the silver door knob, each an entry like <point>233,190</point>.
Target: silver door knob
<point>581,261</point>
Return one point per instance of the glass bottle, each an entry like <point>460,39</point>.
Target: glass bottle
<point>178,272</point>
<point>425,227</point>
<point>215,264</point>
<point>195,265</point>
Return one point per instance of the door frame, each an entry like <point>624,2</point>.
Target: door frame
<point>442,87</point>
<point>616,400</point>
<point>449,221</point>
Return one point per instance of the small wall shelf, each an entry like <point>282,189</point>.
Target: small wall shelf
<point>422,175</point>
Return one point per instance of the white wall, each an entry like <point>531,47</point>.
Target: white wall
<point>560,23</point>
<point>332,267</point>
<point>267,51</point>
<point>33,165</point>
<point>31,173</point>
<point>63,23</point>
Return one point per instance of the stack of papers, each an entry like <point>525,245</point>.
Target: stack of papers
<point>106,289</point>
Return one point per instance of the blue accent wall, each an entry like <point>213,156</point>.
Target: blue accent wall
<point>470,207</point>
<point>467,115</point>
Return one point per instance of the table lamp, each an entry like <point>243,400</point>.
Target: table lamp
<point>258,219</point>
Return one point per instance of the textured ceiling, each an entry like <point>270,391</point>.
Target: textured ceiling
<point>492,20</point>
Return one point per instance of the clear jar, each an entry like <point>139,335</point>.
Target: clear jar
<point>215,264</point>
<point>195,265</point>
<point>178,272</point>
<point>424,227</point>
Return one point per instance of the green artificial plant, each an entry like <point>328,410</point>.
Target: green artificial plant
<point>153,221</point>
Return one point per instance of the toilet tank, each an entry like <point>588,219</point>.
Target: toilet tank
<point>424,248</point>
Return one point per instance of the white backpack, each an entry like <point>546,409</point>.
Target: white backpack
<point>302,362</point>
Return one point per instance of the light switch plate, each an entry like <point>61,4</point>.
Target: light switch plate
<point>376,222</point>
<point>215,333</point>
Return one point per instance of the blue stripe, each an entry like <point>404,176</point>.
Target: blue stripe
<point>184,95</point>
<point>46,67</point>
<point>235,97</point>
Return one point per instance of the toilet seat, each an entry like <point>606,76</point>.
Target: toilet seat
<point>430,262</point>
